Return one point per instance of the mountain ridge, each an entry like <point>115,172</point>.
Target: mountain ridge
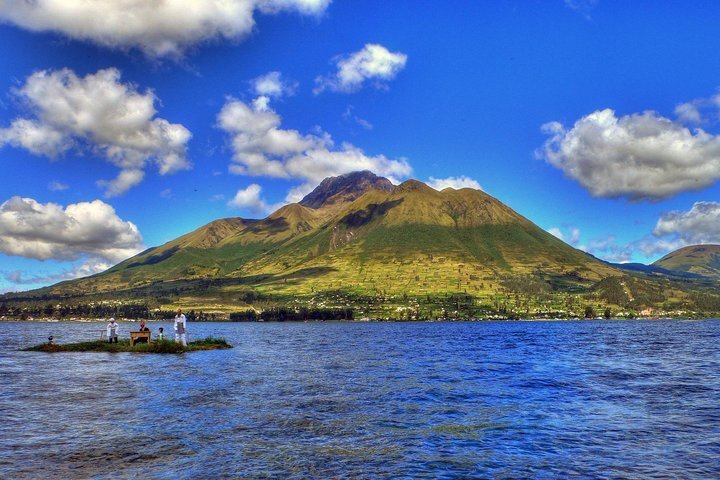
<point>355,237</point>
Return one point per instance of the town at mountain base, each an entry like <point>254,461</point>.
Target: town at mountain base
<point>359,244</point>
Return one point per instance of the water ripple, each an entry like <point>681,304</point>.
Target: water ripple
<point>593,399</point>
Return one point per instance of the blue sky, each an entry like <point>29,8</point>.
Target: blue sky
<point>597,120</point>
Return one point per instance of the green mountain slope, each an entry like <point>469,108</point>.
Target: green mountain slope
<point>359,234</point>
<point>698,259</point>
<point>405,251</point>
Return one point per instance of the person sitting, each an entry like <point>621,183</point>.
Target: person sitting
<point>142,328</point>
<point>112,331</point>
<point>160,335</point>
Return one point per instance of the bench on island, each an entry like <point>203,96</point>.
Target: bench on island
<point>142,337</point>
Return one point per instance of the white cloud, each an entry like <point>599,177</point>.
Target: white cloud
<point>272,85</point>
<point>673,230</point>
<point>99,114</point>
<point>158,28</point>
<point>56,186</point>
<point>556,232</point>
<point>570,236</point>
<point>167,193</point>
<point>700,110</point>
<point>262,148</point>
<point>454,182</point>
<point>90,230</point>
<point>250,198</point>
<point>82,269</point>
<point>372,62</point>
<point>688,113</point>
<point>700,224</point>
<point>641,156</point>
<point>125,180</point>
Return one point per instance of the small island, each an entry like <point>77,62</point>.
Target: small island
<point>162,346</point>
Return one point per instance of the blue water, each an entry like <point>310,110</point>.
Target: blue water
<point>590,399</point>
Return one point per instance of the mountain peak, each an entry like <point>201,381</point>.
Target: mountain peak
<point>414,185</point>
<point>345,188</point>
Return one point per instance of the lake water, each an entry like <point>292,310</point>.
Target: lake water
<point>610,399</point>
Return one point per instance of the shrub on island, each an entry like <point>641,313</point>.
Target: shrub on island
<point>161,346</point>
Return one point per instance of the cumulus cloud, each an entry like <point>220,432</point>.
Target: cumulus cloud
<point>158,28</point>
<point>87,230</point>
<point>673,230</point>
<point>272,85</point>
<point>125,180</point>
<point>262,148</point>
<point>99,114</point>
<point>642,156</point>
<point>372,63</point>
<point>700,110</point>
<point>454,182</point>
<point>250,199</point>
<point>700,224</point>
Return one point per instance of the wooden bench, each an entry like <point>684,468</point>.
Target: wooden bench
<point>142,336</point>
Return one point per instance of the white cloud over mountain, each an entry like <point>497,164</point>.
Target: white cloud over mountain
<point>643,156</point>
<point>700,224</point>
<point>83,269</point>
<point>101,115</point>
<point>262,148</point>
<point>86,230</point>
<point>250,198</point>
<point>164,28</point>
<point>454,182</point>
<point>673,230</point>
<point>571,235</point>
<point>372,63</point>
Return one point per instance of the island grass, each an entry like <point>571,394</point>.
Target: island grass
<point>162,346</point>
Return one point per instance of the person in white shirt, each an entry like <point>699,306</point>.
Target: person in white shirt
<point>180,327</point>
<point>112,331</point>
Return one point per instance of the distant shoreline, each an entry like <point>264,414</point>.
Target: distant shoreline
<point>368,320</point>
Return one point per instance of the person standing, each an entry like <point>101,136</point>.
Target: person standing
<point>180,328</point>
<point>112,331</point>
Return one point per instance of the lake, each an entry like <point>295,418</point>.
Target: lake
<point>580,399</point>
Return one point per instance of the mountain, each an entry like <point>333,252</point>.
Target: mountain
<point>345,188</point>
<point>356,234</point>
<point>696,259</point>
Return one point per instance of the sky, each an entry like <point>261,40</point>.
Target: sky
<point>124,125</point>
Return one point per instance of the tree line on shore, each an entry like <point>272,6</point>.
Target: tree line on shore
<point>143,312</point>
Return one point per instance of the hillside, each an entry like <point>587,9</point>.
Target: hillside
<point>357,239</point>
<point>697,259</point>
<point>360,233</point>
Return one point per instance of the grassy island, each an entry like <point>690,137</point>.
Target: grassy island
<point>164,346</point>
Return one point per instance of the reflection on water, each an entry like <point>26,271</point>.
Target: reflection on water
<point>421,400</point>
